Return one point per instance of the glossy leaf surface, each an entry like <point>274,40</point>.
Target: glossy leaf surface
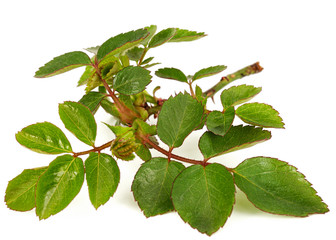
<point>20,192</point>
<point>59,185</point>
<point>131,80</point>
<point>275,186</point>
<point>238,137</point>
<point>220,123</point>
<point>260,114</point>
<point>44,138</point>
<point>207,72</point>
<point>171,73</point>
<point>121,42</point>
<point>238,94</point>
<point>153,183</point>
<point>161,37</point>
<point>204,196</point>
<point>79,120</point>
<point>63,63</point>
<point>179,116</point>
<point>102,176</point>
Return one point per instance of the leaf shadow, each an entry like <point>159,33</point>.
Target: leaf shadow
<point>243,205</point>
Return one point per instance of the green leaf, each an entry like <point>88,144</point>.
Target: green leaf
<point>153,183</point>
<point>44,138</point>
<point>238,94</point>
<point>131,80</point>
<point>161,37</point>
<point>63,63</point>
<point>135,53</point>
<point>179,116</point>
<point>86,76</point>
<point>207,72</point>
<point>151,29</point>
<point>220,123</point>
<point>183,35</point>
<point>260,114</point>
<point>92,100</point>
<point>93,50</point>
<point>171,73</point>
<point>121,43</point>
<point>79,120</point>
<point>238,137</point>
<point>59,185</point>
<point>275,186</point>
<point>102,176</point>
<point>148,60</point>
<point>143,152</point>
<point>204,196</point>
<point>20,192</point>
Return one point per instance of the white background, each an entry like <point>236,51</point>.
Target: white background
<point>293,40</point>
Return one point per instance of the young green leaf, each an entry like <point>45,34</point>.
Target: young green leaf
<point>102,176</point>
<point>121,42</point>
<point>153,183</point>
<point>161,37</point>
<point>92,100</point>
<point>183,35</point>
<point>171,73</point>
<point>275,186</point>
<point>143,152</point>
<point>44,138</point>
<point>86,76</point>
<point>238,94</point>
<point>63,63</point>
<point>204,196</point>
<point>220,123</point>
<point>152,30</point>
<point>131,80</point>
<point>238,137</point>
<point>59,185</point>
<point>79,120</point>
<point>260,114</point>
<point>20,192</point>
<point>135,53</point>
<point>207,72</point>
<point>179,116</point>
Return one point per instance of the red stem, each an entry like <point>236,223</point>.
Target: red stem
<point>171,155</point>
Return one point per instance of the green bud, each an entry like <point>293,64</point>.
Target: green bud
<point>124,145</point>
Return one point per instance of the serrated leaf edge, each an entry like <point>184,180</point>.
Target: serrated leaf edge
<point>303,177</point>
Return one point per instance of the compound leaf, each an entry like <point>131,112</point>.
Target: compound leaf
<point>59,185</point>
<point>20,192</point>
<point>161,37</point>
<point>238,94</point>
<point>79,120</point>
<point>238,137</point>
<point>171,73</point>
<point>63,63</point>
<point>179,116</point>
<point>207,72</point>
<point>260,114</point>
<point>120,43</point>
<point>153,183</point>
<point>204,196</point>
<point>275,186</point>
<point>131,80</point>
<point>44,138</point>
<point>183,35</point>
<point>102,176</point>
<point>220,123</point>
